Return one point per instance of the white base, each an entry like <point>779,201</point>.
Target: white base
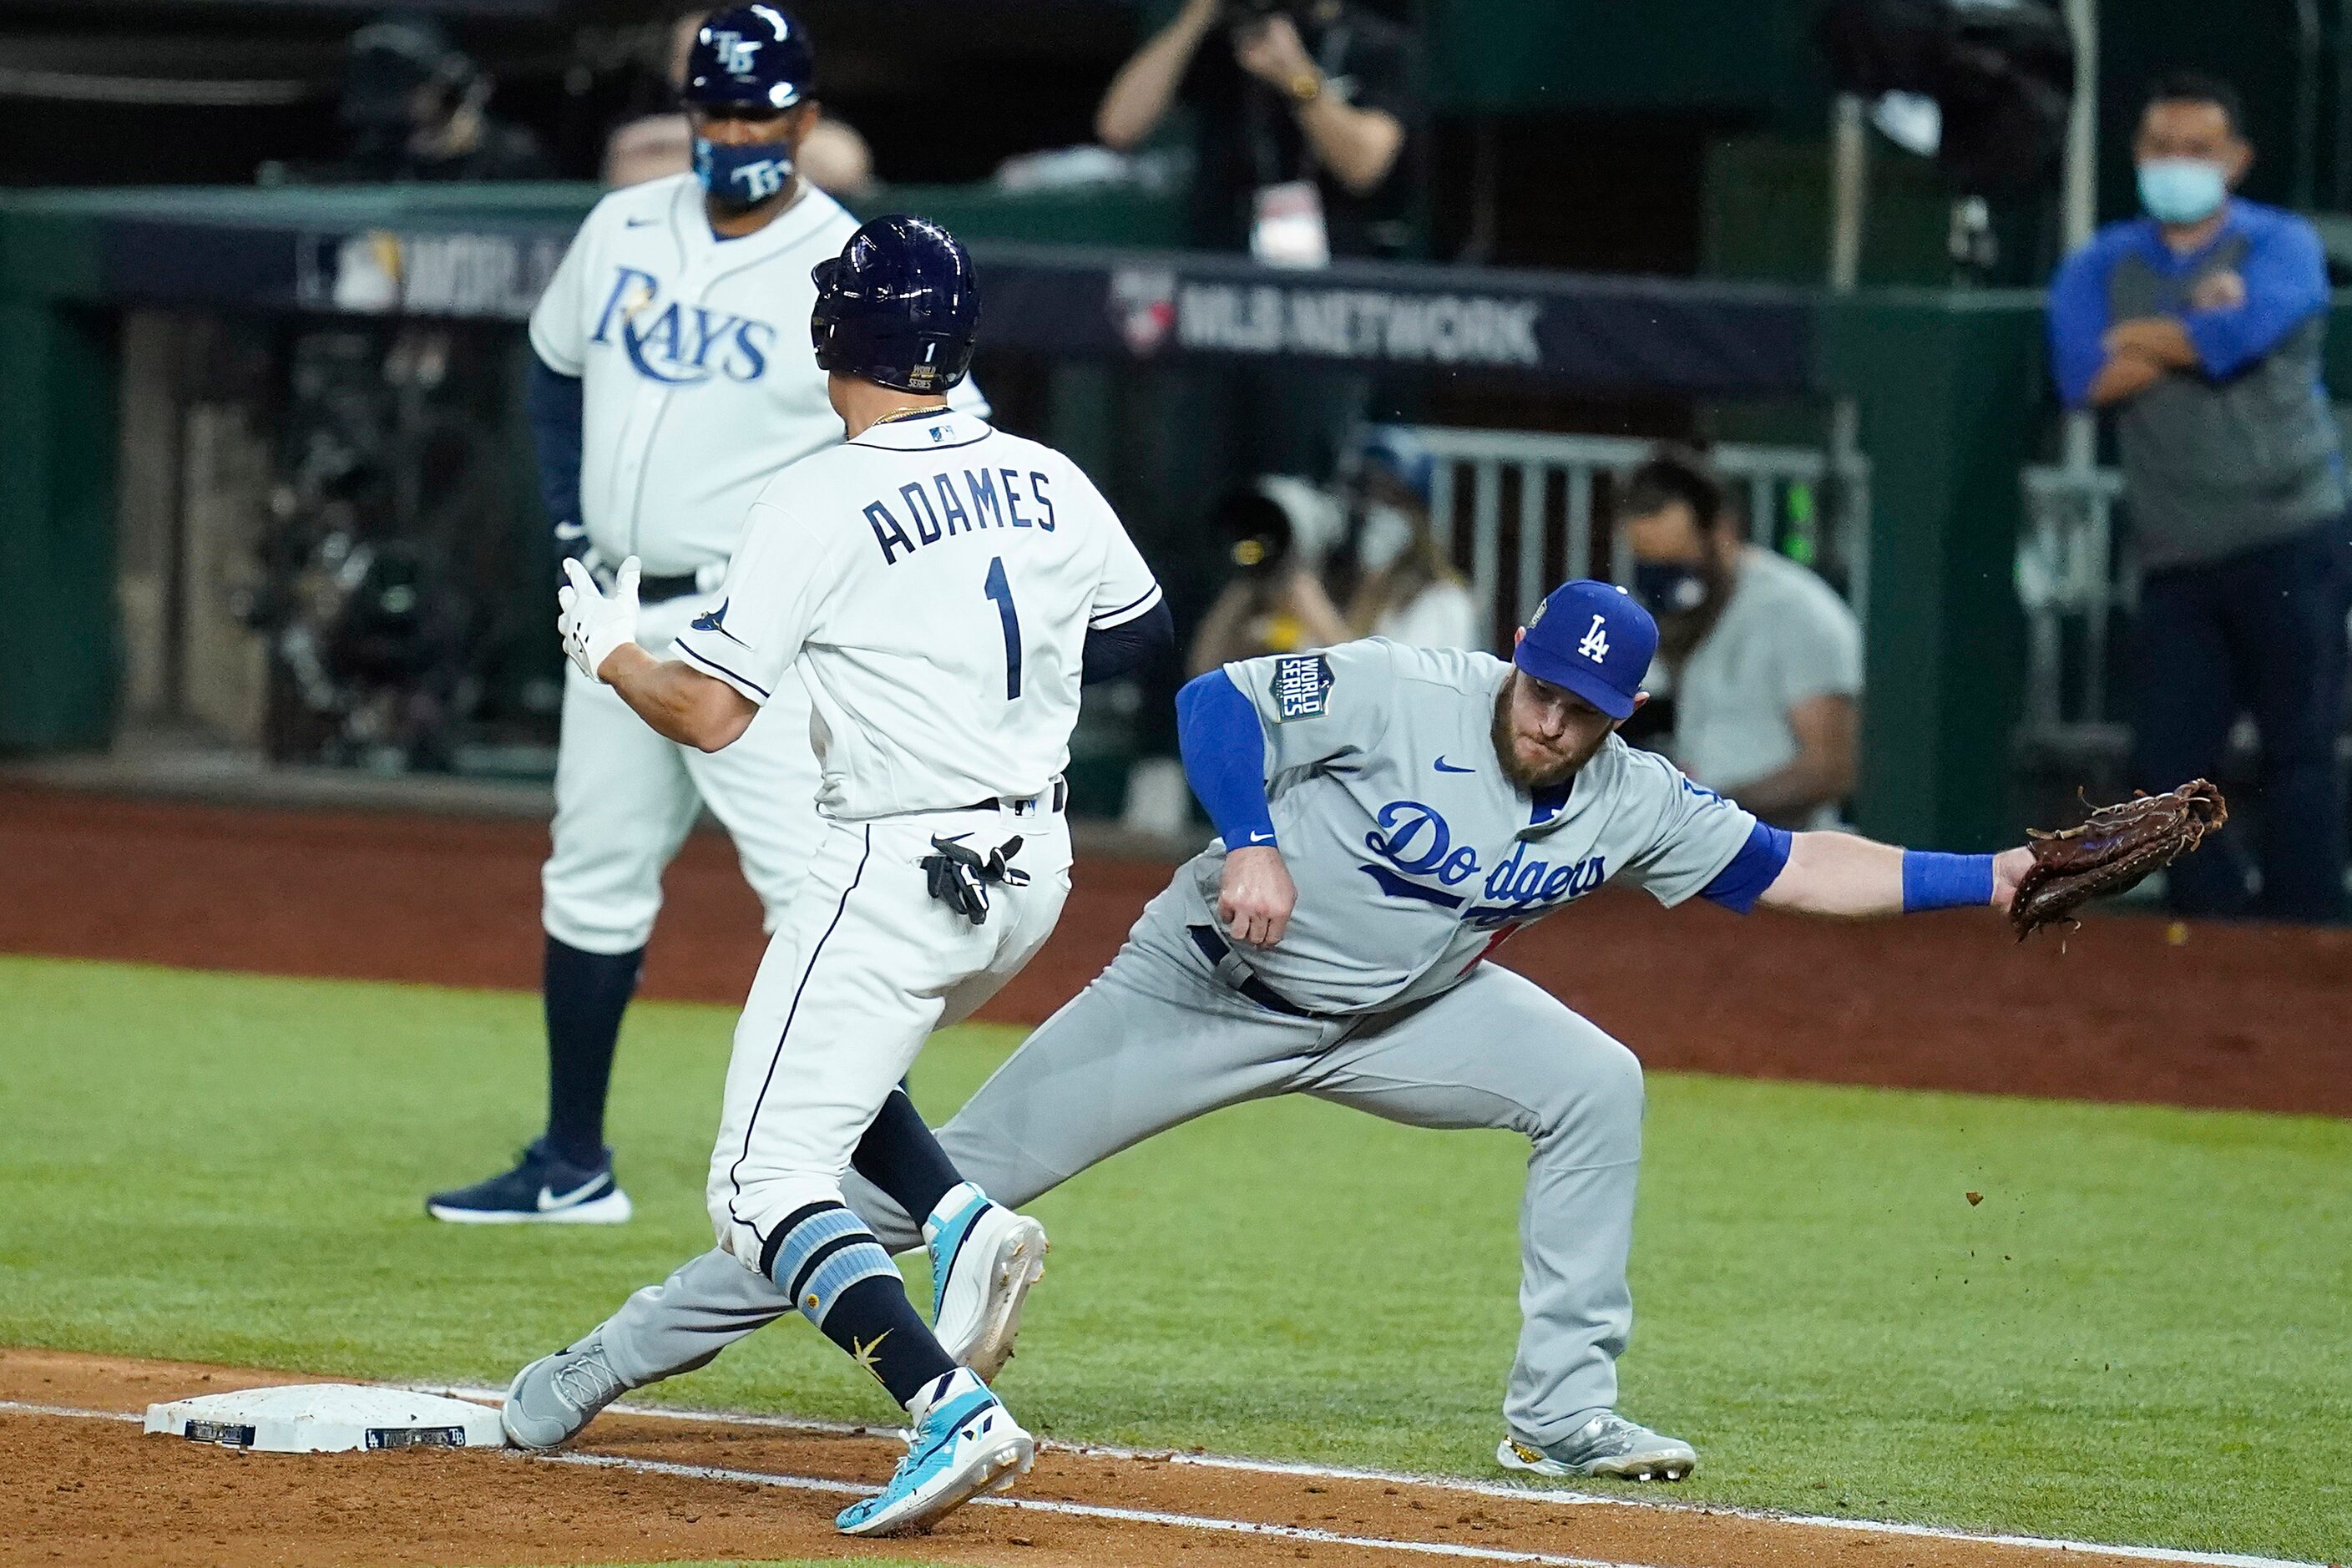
<point>329,1418</point>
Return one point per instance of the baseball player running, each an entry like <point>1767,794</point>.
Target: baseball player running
<point>1387,816</point>
<point>670,380</point>
<point>943,588</point>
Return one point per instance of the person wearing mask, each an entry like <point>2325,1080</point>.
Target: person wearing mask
<point>1407,591</point>
<point>415,107</point>
<point>654,435</point>
<point>1763,658</point>
<point>832,155</point>
<point>2201,325</point>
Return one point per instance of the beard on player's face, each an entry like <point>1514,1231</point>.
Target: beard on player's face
<point>1542,734</point>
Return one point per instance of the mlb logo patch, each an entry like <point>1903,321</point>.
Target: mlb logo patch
<point>1302,687</point>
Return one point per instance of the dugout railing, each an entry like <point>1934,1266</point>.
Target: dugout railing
<point>1950,388</point>
<point>1524,509</point>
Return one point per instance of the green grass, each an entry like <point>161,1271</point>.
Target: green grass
<point>2140,1335</point>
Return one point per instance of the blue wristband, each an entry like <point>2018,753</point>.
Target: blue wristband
<point>1934,881</point>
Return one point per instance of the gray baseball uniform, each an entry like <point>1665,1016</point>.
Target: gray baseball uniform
<point>1412,856</point>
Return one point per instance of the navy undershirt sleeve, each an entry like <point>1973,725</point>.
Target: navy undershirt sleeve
<point>551,404</point>
<point>1223,745</point>
<point>1756,866</point>
<point>1128,648</point>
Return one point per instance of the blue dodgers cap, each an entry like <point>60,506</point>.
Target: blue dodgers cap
<point>1592,638</point>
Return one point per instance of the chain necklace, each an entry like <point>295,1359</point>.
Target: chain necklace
<point>912,411</point>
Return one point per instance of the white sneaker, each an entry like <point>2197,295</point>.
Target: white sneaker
<point>984,1258</point>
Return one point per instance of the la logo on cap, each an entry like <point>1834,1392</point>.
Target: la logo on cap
<point>1595,643</point>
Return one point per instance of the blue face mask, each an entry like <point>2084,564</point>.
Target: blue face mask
<point>742,175</point>
<point>2181,190</point>
<point>1669,588</point>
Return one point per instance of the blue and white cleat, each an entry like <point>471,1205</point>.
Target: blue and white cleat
<point>965,1443</point>
<point>984,1258</point>
<point>1608,1445</point>
<point>544,1188</point>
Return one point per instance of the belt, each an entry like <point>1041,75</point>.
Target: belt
<point>662,590</point>
<point>656,590</point>
<point>1231,970</point>
<point>1021,805</point>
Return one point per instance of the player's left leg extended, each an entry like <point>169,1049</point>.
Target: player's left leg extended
<point>1499,1051</point>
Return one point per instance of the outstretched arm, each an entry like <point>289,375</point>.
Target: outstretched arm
<point>1844,874</point>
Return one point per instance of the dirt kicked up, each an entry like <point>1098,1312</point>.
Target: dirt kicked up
<point>81,1483</point>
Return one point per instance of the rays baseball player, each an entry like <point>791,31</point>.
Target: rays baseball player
<point>942,588</point>
<point>1387,816</point>
<point>670,380</point>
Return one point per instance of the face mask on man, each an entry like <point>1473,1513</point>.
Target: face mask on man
<point>1386,534</point>
<point>2183,190</point>
<point>1670,587</point>
<point>743,174</point>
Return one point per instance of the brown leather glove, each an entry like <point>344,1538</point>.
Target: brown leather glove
<point>2118,846</point>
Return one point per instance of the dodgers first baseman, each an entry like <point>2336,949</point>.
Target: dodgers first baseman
<point>672,379</point>
<point>1387,816</point>
<point>943,588</point>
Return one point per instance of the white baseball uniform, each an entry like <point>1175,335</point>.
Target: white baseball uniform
<point>932,582</point>
<point>698,383</point>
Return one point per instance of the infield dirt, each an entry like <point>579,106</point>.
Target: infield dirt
<point>2250,1017</point>
<point>84,1490</point>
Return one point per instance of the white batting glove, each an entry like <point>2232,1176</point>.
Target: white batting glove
<point>594,623</point>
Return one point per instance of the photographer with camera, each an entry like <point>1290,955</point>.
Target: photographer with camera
<point>1306,125</point>
<point>1279,528</point>
<point>1308,114</point>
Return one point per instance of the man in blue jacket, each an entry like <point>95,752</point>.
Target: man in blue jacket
<point>2201,326</point>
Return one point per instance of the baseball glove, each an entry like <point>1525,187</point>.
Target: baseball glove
<point>2118,845</point>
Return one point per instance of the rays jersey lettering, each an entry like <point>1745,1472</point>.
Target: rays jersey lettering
<point>958,501</point>
<point>1418,858</point>
<point>1412,850</point>
<point>676,342</point>
<point>699,382</point>
<point>931,583</point>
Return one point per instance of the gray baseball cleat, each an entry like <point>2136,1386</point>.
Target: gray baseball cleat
<point>1608,1445</point>
<point>553,1397</point>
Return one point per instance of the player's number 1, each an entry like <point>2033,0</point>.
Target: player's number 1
<point>1001,591</point>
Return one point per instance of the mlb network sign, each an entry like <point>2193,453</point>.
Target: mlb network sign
<point>496,276</point>
<point>1355,323</point>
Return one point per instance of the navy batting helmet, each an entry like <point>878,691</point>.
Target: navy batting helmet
<point>899,306</point>
<point>751,57</point>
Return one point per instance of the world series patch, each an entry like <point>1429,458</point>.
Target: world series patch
<point>1302,687</point>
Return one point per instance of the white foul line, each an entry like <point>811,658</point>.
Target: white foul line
<point>1212,1461</point>
<point>17,1407</point>
<point>1097,1510</point>
<point>1031,1505</point>
<point>1503,1491</point>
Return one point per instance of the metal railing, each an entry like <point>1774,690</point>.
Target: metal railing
<point>1544,499</point>
<point>2074,579</point>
